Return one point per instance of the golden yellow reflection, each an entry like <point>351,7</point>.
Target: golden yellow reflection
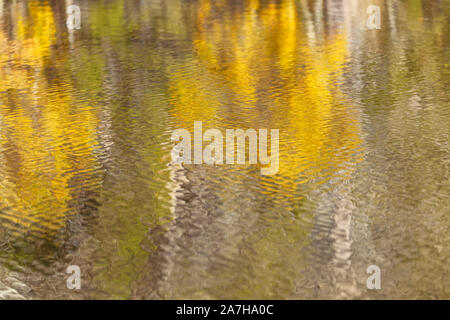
<point>318,127</point>
<point>45,139</point>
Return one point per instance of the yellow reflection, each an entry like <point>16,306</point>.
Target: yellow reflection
<point>265,44</point>
<point>45,140</point>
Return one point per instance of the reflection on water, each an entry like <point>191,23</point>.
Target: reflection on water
<point>85,123</point>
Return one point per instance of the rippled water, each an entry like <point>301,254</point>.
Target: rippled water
<point>86,118</point>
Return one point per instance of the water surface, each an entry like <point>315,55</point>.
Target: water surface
<point>85,123</point>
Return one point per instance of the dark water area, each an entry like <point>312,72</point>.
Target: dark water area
<point>86,178</point>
